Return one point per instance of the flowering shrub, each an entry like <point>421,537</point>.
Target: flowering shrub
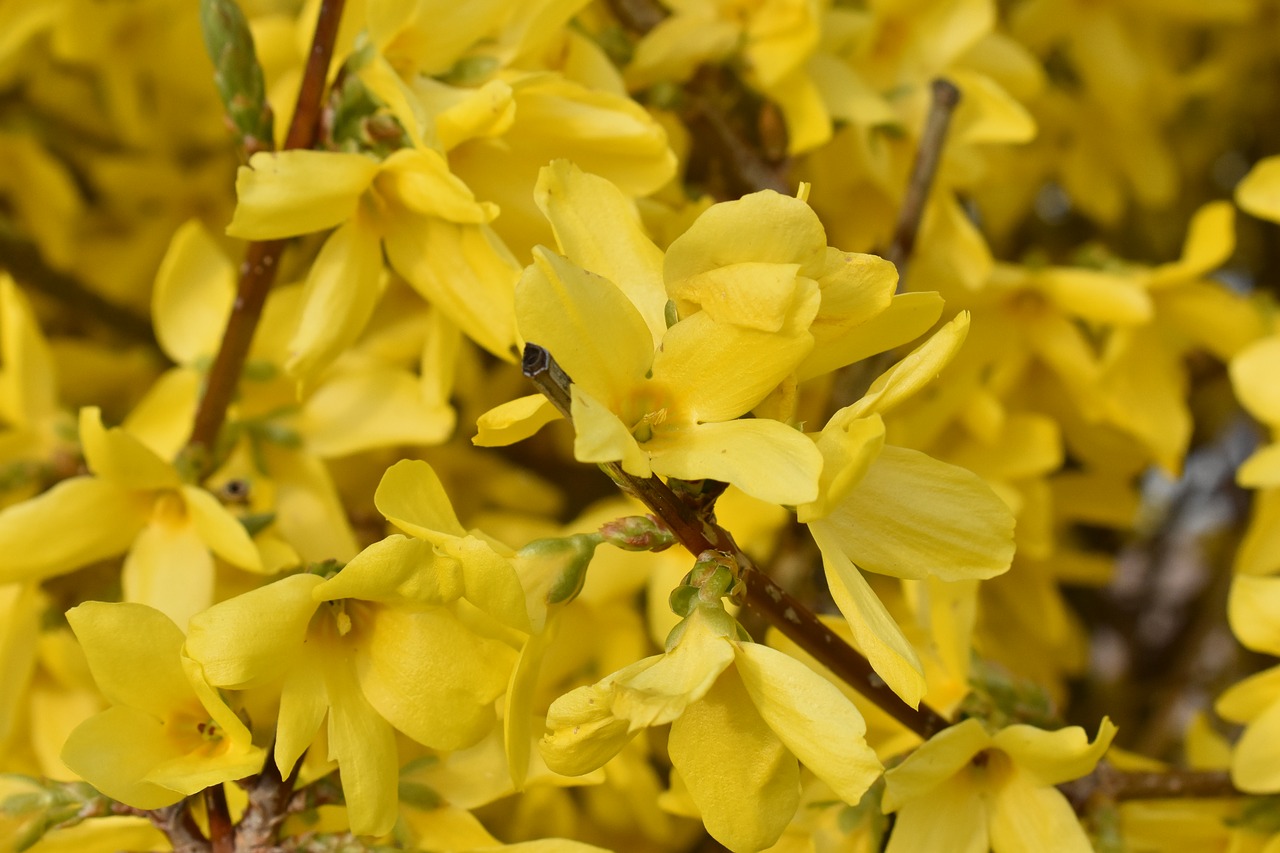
<point>787,425</point>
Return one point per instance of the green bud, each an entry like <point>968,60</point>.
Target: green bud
<point>683,599</point>
<point>559,565</point>
<point>637,533</point>
<point>670,314</point>
<point>236,71</point>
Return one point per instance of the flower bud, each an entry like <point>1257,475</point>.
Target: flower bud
<point>637,533</point>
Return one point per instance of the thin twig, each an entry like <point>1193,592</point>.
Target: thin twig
<point>222,833</point>
<point>945,98</point>
<point>1107,784</point>
<point>697,534</point>
<point>258,271</point>
<point>178,825</point>
<point>269,799</point>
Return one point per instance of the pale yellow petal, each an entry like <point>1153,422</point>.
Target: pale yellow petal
<point>115,749</point>
<point>343,286</point>
<point>927,770</point>
<point>766,227</point>
<point>908,316</point>
<point>1250,698</point>
<point>364,745</point>
<point>397,568</point>
<point>582,731</point>
<point>220,531</point>
<point>874,630</point>
<point>953,817</point>
<point>813,718</point>
<point>118,639</point>
<point>1055,757</point>
<point>420,180</point>
<point>742,778</point>
<point>1259,192</point>
<point>599,436</point>
<point>587,324</point>
<point>38,542</point>
<point>412,498</point>
<point>661,692</point>
<point>1253,609</point>
<point>1253,374</point>
<point>848,447</point>
<point>28,390</point>
<point>1029,815</point>
<point>1255,762</point>
<point>752,294</point>
<point>116,456</point>
<point>764,458</point>
<point>170,569</point>
<point>918,369</point>
<point>381,406</point>
<point>284,193</point>
<point>194,288</point>
<point>514,421</point>
<point>600,230</point>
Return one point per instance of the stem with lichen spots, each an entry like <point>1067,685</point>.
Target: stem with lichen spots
<point>258,271</point>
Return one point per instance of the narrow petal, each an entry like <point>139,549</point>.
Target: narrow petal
<point>517,731</point>
<point>662,692</point>
<point>1250,698</point>
<point>912,516</point>
<point>908,317</point>
<point>586,322</point>
<point>1259,192</point>
<point>1255,763</point>
<point>764,458</point>
<point>285,193</point>
<point>419,179</point>
<point>514,421</point>
<point>1210,241</point>
<point>848,447</point>
<point>27,386</point>
<point>380,406</point>
<point>254,638</point>
<point>413,499</point>
<point>396,569</point>
<point>220,531</point>
<point>116,456</point>
<point>812,717</point>
<point>342,288</point>
<point>114,750</point>
<point>923,774</point>
<point>766,227</point>
<point>599,436</point>
<point>742,778</point>
<point>116,639</point>
<point>304,701</point>
<point>170,569</point>
<point>1253,375</point>
<point>874,630</point>
<point>1253,609</point>
<point>364,746</point>
<point>1028,815</point>
<point>918,369</point>
<point>38,543</point>
<point>582,731</point>
<point>194,288</point>
<point>600,230</point>
<point>1055,757</point>
<point>952,817</point>
<point>753,294</point>
<point>432,678</point>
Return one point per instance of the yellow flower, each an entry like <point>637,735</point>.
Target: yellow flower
<point>384,643</point>
<point>967,790</point>
<point>167,734</point>
<point>433,230</point>
<point>742,716</point>
<point>134,503</point>
<point>1253,610</point>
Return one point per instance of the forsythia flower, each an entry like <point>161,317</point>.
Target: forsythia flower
<point>168,733</point>
<point>741,716</point>
<point>967,790</point>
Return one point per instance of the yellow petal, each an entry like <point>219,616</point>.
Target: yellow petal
<point>304,701</point>
<point>381,406</point>
<point>253,639</point>
<point>722,371</point>
<point>219,530</point>
<point>589,325</point>
<point>674,49</point>
<point>38,542</point>
<point>420,180</point>
<point>1253,375</point>
<point>514,421</point>
<point>517,733</point>
<point>874,630</point>
<point>812,717</point>
<point>342,288</point>
<point>764,458</point>
<point>600,230</point>
<point>115,749</point>
<point>908,317</point>
<point>1210,241</point>
<point>755,295</point>
<point>432,678</point>
<point>1028,815</point>
<point>987,113</point>
<point>1248,699</point>
<point>297,192</point>
<point>118,457</point>
<point>170,569</point>
<point>848,447</point>
<point>465,271</point>
<point>1255,762</point>
<point>1259,192</point>
<point>933,763</point>
<point>364,746</point>
<point>194,288</point>
<point>396,569</point>
<point>1259,553</point>
<point>116,639</point>
<point>744,781</point>
<point>662,692</point>
<point>28,390</point>
<point>765,227</point>
<point>915,371</point>
<point>599,436</point>
<point>912,516</point>
<point>582,731</point>
<point>412,498</point>
<point>1253,609</point>
<point>1262,469</point>
<point>1099,296</point>
<point>952,817</point>
<point>1052,758</point>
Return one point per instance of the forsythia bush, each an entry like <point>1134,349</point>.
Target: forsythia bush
<point>793,425</point>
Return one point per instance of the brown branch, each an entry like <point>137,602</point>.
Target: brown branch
<point>269,800</point>
<point>179,827</point>
<point>697,534</point>
<point>1107,784</point>
<point>222,833</point>
<point>258,271</point>
<point>945,98</point>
